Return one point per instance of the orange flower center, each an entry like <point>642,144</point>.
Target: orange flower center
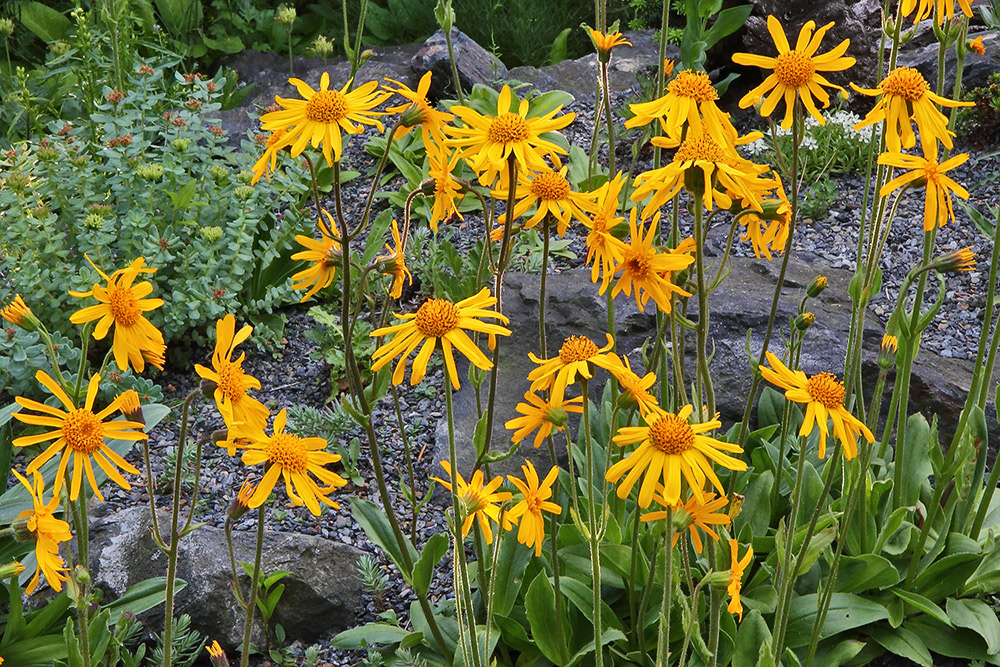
<point>671,435</point>
<point>436,318</point>
<point>695,85</point>
<point>637,263</point>
<point>124,306</point>
<point>824,388</point>
<point>286,451</point>
<point>326,106</point>
<point>534,503</point>
<point>83,431</point>
<point>794,69</point>
<point>231,380</point>
<point>700,148</point>
<point>508,128</point>
<point>550,186</point>
<point>905,82</point>
<point>577,348</point>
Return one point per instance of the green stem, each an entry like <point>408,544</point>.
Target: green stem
<point>254,586</point>
<point>454,69</point>
<point>663,639</point>
<point>704,377</point>
<point>542,343</point>
<point>595,550</point>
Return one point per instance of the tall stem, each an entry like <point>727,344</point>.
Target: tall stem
<point>663,639</point>
<point>254,585</point>
<point>704,378</point>
<point>595,541</point>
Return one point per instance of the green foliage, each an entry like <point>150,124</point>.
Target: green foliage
<point>23,353</point>
<point>526,255</point>
<point>984,118</point>
<point>269,595</point>
<point>373,578</point>
<point>332,423</point>
<point>188,644</point>
<point>444,272</point>
<point>699,36</point>
<point>329,338</point>
<point>816,200</point>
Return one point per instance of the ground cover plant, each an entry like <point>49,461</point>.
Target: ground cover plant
<point>830,525</point>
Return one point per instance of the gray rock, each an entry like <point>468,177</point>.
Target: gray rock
<point>977,68</point>
<point>475,64</point>
<point>321,596</point>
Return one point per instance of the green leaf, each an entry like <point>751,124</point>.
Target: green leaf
<point>915,459</point>
<point>558,51</point>
<point>726,23</point>
<point>952,642</point>
<point>47,23</point>
<point>756,511</point>
<point>977,616</point>
<point>376,236</point>
<point>770,407</point>
<point>846,612</point>
<point>923,604</point>
<point>546,102</point>
<point>862,573</point>
<point>227,44</point>
<point>509,573</point>
<point>423,569</point>
<point>44,650</point>
<point>15,617</point>
<point>142,597</point>
<point>376,526</point>
<point>370,634</point>
<point>607,637</point>
<point>73,656</point>
<point>946,576</point>
<point>540,606</point>
<point>582,597</point>
<point>904,643</point>
<point>750,638</point>
<point>817,545</point>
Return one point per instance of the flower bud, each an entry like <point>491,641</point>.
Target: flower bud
<point>887,352</point>
<point>414,115</point>
<point>816,287</point>
<point>245,177</point>
<point>959,260</point>
<point>47,153</point>
<point>219,174</point>
<point>217,655</point>
<point>285,15</point>
<point>718,580</point>
<point>243,192</point>
<point>6,27</point>
<point>81,575</point>
<point>181,144</point>
<point>804,321</point>
<point>322,47</point>
<point>93,222</point>
<point>366,55</point>
<point>241,503</point>
<point>211,234</point>
<point>59,49</point>
<point>11,570</point>
<point>131,406</point>
<point>21,531</point>
<point>557,417</point>
<point>18,314</point>
<point>149,172</point>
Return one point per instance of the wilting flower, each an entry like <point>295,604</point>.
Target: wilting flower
<point>324,254</point>
<point>444,321</point>
<point>671,447</point>
<point>217,655</point>
<point>542,415</point>
<point>635,389</point>
<point>535,499</point>
<point>604,251</point>
<point>577,355</point>
<point>320,118</point>
<point>693,515</point>
<point>130,405</point>
<point>977,46</point>
<point>48,532</point>
<point>925,172</point>
<point>647,269</point>
<point>18,314</point>
<point>551,194</point>
<point>394,264</point>
<point>419,111</point>
<point>823,396</point>
<point>955,261</point>
<point>486,142</point>
<point>79,434</point>
<point>290,457</point>
<point>906,97</point>
<point>736,569</point>
<point>477,502</point>
<point>767,229</point>
<point>441,164</point>
<point>122,304</point>
<point>266,163</point>
<point>795,71</point>
<point>231,383</point>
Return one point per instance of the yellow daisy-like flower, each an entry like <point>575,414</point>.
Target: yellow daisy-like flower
<point>906,97</point>
<point>704,168</point>
<point>48,532</point>
<point>486,142</point>
<point>635,389</point>
<point>604,251</point>
<point>290,457</point>
<point>605,42</point>
<point>477,502</point>
<point>266,163</point>
<point>823,396</point>
<point>795,71</point>
<point>542,415</point>
<point>446,188</point>
<point>550,192</point>
<point>231,383</point>
<point>925,172</point>
<point>693,515</point>
<point>80,434</point>
<point>18,314</point>
<point>736,570</point>
<point>324,254</point>
<point>394,264</point>
<point>767,230</point>
<point>323,114</point>
<point>671,447</point>
<point>122,304</point>
<point>945,9</point>
<point>956,261</point>
<point>576,357</point>
<point>527,513</point>
<point>419,111</point>
<point>646,269</point>
<point>444,321</point>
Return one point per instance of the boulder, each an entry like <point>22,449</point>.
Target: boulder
<point>475,64</point>
<point>321,596</point>
<point>975,73</point>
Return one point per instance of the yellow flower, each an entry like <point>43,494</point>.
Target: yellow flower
<point>444,321</point>
<point>290,457</point>
<point>486,142</point>
<point>906,97</point>
<point>122,304</point>
<point>955,261</point>
<point>80,434</point>
<point>643,267</point>
<point>320,118</point>
<point>551,194</point>
<point>670,448</point>
<point>217,655</point>
<point>946,9</point>
<point>603,249</point>
<point>736,569</point>
<point>635,389</point>
<point>231,383</point>
<point>605,42</point>
<point>542,415</point>
<point>977,46</point>
<point>823,396</point>
<point>18,314</point>
<point>478,502</point>
<point>325,257</point>
<point>241,503</point>
<point>890,343</point>
<point>535,499</point>
<point>266,163</point>
<point>48,532</point>
<point>928,173</point>
<point>419,111</point>
<point>795,71</point>
<point>395,264</point>
<point>447,189</point>
<point>704,168</point>
<point>577,355</point>
<point>693,515</point>
<point>768,232</point>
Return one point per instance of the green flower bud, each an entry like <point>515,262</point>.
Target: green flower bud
<point>11,570</point>
<point>18,182</point>
<point>804,321</point>
<point>6,27</point>
<point>243,192</point>
<point>322,47</point>
<point>150,172</point>
<point>816,287</point>
<point>181,145</point>
<point>245,177</point>
<point>47,153</point>
<point>285,15</point>
<point>93,221</point>
<point>59,49</point>
<point>887,352</point>
<point>219,174</point>
<point>211,234</point>
<point>21,531</point>
<point>557,417</point>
